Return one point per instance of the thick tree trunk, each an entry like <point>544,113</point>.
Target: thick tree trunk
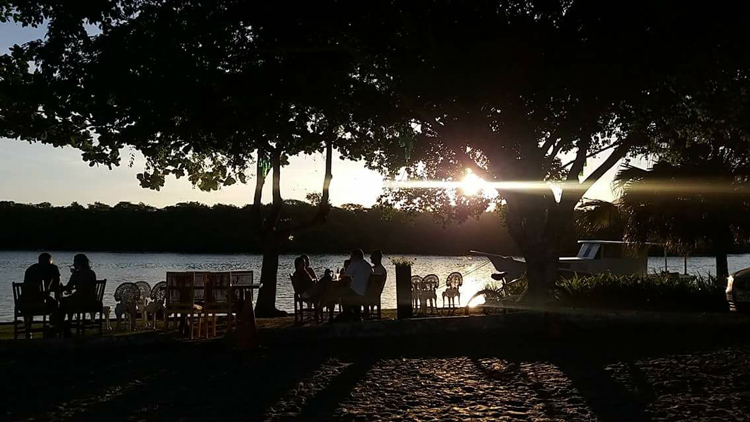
<point>538,226</point>
<point>541,271</point>
<point>266,305</point>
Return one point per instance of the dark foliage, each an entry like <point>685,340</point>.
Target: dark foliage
<point>193,227</point>
<point>609,291</point>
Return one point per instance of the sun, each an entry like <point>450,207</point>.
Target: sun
<point>472,184</point>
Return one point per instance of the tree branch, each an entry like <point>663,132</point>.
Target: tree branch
<point>618,154</point>
<point>278,202</point>
<point>548,144</point>
<point>324,207</point>
<point>260,180</point>
<point>599,151</point>
<point>580,160</point>
<point>556,150</point>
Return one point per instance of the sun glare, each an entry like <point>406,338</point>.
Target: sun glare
<point>472,184</point>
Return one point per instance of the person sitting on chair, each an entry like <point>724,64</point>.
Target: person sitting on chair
<point>82,284</point>
<point>45,274</point>
<point>308,268</point>
<point>346,265</point>
<point>357,274</point>
<point>304,285</point>
<point>376,257</point>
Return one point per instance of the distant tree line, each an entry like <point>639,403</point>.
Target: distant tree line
<point>194,227</point>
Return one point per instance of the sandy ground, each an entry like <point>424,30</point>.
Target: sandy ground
<point>636,374</point>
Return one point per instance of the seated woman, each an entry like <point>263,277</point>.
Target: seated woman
<point>82,285</point>
<point>303,284</point>
<point>346,265</point>
<point>308,268</point>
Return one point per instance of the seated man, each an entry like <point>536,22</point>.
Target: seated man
<point>358,275</point>
<point>44,273</point>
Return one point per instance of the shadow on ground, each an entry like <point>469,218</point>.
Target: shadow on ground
<point>618,374</point>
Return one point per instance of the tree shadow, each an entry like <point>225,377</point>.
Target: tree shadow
<point>323,405</point>
<point>608,399</point>
<point>189,382</point>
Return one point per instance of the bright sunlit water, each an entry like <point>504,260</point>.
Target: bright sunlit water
<point>151,267</point>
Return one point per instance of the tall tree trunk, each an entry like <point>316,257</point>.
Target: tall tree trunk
<point>541,270</point>
<point>272,238</point>
<point>266,305</point>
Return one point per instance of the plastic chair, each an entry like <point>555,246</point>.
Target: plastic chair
<point>431,283</point>
<point>416,289</point>
<point>452,289</point>
<point>145,289</point>
<point>158,295</point>
<point>127,295</point>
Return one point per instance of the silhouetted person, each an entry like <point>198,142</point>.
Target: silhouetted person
<point>301,280</point>
<point>346,265</point>
<point>82,286</point>
<point>308,268</point>
<point>46,274</point>
<point>376,257</point>
<point>357,274</point>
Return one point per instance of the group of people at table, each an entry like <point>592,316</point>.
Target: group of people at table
<point>62,300</point>
<point>346,287</point>
<point>59,300</point>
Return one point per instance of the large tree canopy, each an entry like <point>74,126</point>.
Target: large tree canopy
<point>201,89</point>
<point>426,89</point>
<point>505,88</point>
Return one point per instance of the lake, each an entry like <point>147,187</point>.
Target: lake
<point>151,267</point>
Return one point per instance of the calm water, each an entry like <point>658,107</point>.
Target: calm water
<point>151,267</point>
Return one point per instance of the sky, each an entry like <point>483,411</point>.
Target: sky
<point>33,173</point>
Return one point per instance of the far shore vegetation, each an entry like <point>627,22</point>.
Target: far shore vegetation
<point>191,227</point>
<point>197,228</point>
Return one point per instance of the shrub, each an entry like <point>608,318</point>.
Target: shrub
<point>645,293</point>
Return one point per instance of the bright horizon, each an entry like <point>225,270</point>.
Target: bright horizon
<point>34,173</point>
